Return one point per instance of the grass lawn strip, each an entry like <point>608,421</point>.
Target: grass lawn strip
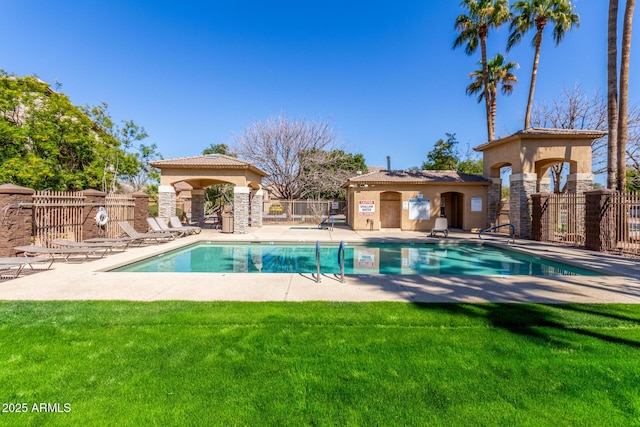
<point>319,363</point>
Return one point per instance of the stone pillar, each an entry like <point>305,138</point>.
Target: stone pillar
<point>494,197</point>
<point>600,221</point>
<point>93,199</point>
<point>522,186</point>
<point>544,185</point>
<point>241,209</point>
<point>579,182</point>
<point>16,218</point>
<point>166,201</point>
<point>141,212</point>
<point>538,212</point>
<point>256,209</point>
<point>197,206</point>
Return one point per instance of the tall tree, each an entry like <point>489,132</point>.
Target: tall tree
<point>218,149</point>
<point>473,30</point>
<point>623,115</point>
<point>537,13</point>
<point>285,148</point>
<point>612,92</point>
<point>444,155</point>
<point>500,75</point>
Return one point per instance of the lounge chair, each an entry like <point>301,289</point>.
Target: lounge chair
<point>156,237</point>
<point>441,226</point>
<point>158,225</point>
<point>174,221</point>
<point>13,266</point>
<point>110,246</point>
<point>67,254</point>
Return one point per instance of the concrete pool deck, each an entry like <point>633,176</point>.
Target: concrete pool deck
<point>90,281</point>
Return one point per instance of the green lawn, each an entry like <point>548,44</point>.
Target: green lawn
<point>384,364</point>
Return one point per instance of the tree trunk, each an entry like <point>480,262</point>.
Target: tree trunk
<point>487,100</point>
<point>534,75</point>
<point>624,96</point>
<point>612,92</point>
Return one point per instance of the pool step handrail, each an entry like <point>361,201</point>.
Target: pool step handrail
<point>330,220</point>
<point>318,261</point>
<point>341,260</point>
<point>512,234</point>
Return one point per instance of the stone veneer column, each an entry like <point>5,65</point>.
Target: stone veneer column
<point>16,217</point>
<point>166,201</point>
<point>256,209</point>
<point>140,211</point>
<point>93,199</point>
<point>197,206</point>
<point>522,186</point>
<point>538,214</point>
<point>579,182</point>
<point>494,197</point>
<point>241,209</point>
<point>600,220</point>
<point>544,185</point>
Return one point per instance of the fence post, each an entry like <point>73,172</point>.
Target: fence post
<point>141,211</point>
<point>16,220</point>
<point>538,204</point>
<point>93,199</point>
<point>600,231</point>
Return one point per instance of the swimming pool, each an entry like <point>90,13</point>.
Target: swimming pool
<point>360,258</point>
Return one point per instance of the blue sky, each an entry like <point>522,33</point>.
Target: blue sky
<point>195,73</point>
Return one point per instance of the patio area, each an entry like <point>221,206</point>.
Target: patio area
<point>91,280</point>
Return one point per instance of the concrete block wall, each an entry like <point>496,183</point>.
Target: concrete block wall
<point>16,218</point>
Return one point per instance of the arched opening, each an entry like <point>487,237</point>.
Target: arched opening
<point>390,209</point>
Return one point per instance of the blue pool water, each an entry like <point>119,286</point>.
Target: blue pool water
<point>369,258</point>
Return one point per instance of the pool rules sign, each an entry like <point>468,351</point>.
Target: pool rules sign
<point>366,207</point>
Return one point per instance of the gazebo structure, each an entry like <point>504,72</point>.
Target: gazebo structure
<point>530,153</point>
<point>203,171</point>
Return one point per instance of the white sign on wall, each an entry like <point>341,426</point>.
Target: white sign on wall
<point>366,207</point>
<point>419,209</point>
<point>476,204</point>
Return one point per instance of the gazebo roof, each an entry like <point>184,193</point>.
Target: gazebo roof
<point>545,133</point>
<point>207,161</point>
<point>415,177</point>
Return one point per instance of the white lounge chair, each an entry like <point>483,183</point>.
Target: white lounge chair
<point>67,254</point>
<point>13,266</point>
<point>156,237</point>
<point>441,226</point>
<point>110,246</point>
<point>158,225</point>
<point>174,221</point>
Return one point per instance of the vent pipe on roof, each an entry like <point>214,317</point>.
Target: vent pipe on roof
<point>388,163</point>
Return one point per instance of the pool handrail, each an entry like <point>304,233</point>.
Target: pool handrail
<point>512,235</point>
<point>318,261</point>
<point>341,260</point>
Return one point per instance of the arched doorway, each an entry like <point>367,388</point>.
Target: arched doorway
<point>452,202</point>
<point>390,209</point>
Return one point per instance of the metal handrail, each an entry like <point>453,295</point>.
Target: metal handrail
<point>512,235</point>
<point>341,260</point>
<point>318,261</point>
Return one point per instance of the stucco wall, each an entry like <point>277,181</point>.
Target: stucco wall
<point>360,220</point>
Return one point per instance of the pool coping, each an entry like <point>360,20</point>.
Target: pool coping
<point>89,281</point>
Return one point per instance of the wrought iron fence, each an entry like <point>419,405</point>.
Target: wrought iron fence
<point>312,211</point>
<point>563,219</point>
<point>622,223</point>
<point>120,207</point>
<point>57,215</point>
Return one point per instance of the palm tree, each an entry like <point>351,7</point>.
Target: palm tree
<point>499,74</point>
<point>530,13</point>
<point>612,92</point>
<point>623,127</point>
<point>473,30</point>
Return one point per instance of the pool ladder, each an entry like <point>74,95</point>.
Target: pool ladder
<point>340,261</point>
<point>512,234</point>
